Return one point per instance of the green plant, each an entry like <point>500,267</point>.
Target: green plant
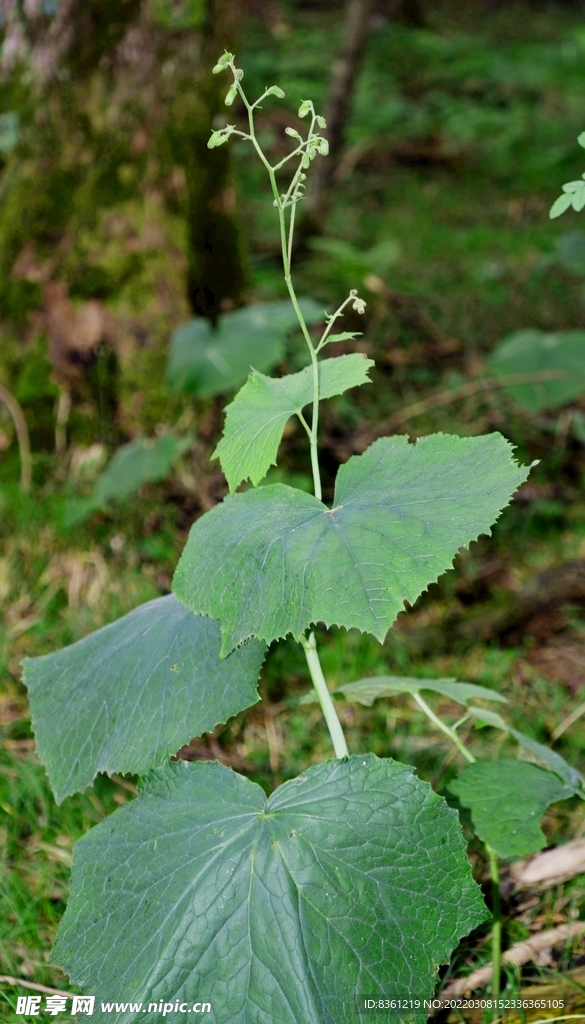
<point>573,193</point>
<point>145,460</point>
<point>540,370</point>
<point>487,791</point>
<point>205,360</point>
<point>350,880</point>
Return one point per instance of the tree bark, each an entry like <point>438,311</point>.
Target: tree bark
<point>216,273</point>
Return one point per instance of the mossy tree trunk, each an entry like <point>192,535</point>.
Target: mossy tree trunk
<point>216,274</point>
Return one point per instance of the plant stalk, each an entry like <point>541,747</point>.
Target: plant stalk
<point>326,701</point>
<point>286,247</point>
<point>286,250</point>
<point>496,928</point>
<point>444,728</point>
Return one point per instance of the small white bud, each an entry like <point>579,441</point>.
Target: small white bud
<point>321,122</point>
<point>238,74</point>
<point>323,147</point>
<point>305,108</point>
<point>291,131</point>
<point>275,90</point>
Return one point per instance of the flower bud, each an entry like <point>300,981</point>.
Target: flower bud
<point>275,90</point>
<point>231,95</point>
<point>321,122</point>
<point>323,147</point>
<point>223,62</point>
<point>291,131</point>
<point>305,108</point>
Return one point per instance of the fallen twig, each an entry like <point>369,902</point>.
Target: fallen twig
<point>519,953</point>
<point>443,398</point>
<point>551,867</point>
<point>5,979</point>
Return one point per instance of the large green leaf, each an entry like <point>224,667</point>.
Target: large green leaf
<point>142,461</point>
<point>126,697</point>
<point>351,879</point>
<point>532,352</point>
<point>554,761</point>
<point>507,799</point>
<point>366,691</point>
<point>257,416</point>
<point>204,361</point>
<point>271,561</point>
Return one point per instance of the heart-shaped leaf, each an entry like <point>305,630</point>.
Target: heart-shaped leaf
<point>257,416</point>
<point>204,361</point>
<point>272,561</point>
<point>507,799</point>
<point>366,691</point>
<point>126,697</point>
<point>350,879</point>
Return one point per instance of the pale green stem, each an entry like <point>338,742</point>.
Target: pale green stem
<point>304,424</point>
<point>309,643</point>
<point>444,728</point>
<point>313,354</point>
<point>325,699</point>
<point>291,291</point>
<point>295,152</point>
<point>496,928</point>
<point>260,98</point>
<point>492,859</point>
<point>291,231</point>
<point>336,315</point>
